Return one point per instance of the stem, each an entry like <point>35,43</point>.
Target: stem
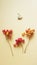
<point>26,46</point>
<point>10,47</point>
<point>22,47</point>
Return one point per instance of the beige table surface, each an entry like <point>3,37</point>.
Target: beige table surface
<point>9,10</point>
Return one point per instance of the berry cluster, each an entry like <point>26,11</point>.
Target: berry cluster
<point>8,33</point>
<point>29,33</point>
<point>19,42</point>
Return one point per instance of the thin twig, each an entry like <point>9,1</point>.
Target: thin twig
<point>26,46</point>
<point>10,47</point>
<point>22,47</point>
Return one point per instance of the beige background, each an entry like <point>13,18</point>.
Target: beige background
<point>8,20</point>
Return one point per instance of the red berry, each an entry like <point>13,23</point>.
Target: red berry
<point>14,45</point>
<point>4,31</point>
